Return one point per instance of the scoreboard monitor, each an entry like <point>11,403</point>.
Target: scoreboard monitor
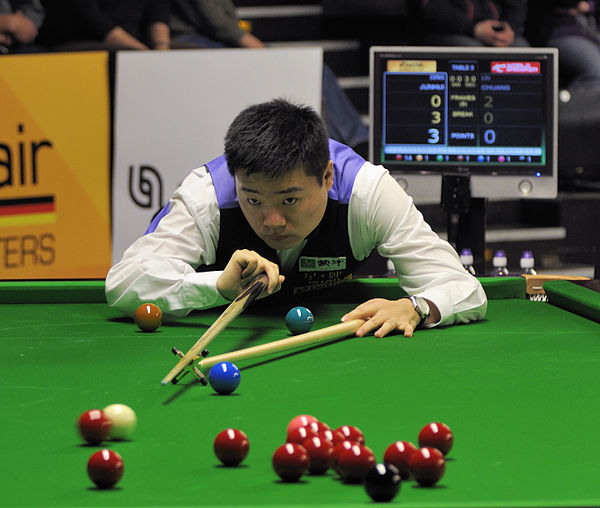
<point>490,113</point>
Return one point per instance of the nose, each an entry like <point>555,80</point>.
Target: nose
<point>274,219</point>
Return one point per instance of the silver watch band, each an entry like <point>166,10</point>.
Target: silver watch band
<point>421,307</point>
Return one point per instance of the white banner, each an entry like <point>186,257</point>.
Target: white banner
<point>172,110</point>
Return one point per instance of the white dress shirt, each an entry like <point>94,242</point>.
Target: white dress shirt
<point>161,266</point>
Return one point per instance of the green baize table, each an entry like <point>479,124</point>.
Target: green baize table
<point>519,389</point>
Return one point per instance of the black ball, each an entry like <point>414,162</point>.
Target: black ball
<point>382,482</point>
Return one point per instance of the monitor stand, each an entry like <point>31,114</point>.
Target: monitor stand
<point>466,217</point>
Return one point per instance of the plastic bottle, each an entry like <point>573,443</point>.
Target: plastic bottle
<point>466,258</point>
<point>527,263</point>
<point>499,262</point>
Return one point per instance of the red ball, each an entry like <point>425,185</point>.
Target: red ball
<point>94,426</point>
<point>290,462</point>
<point>231,446</point>
<point>355,462</point>
<point>427,465</point>
<point>319,452</point>
<point>335,436</point>
<point>105,468</point>
<point>300,434</point>
<point>436,435</point>
<point>300,421</point>
<point>352,433</point>
<point>148,317</point>
<point>318,426</point>
<point>337,450</point>
<point>398,454</point>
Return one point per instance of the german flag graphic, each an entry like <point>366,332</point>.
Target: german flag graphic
<point>27,211</point>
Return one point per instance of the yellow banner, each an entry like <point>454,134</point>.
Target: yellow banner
<point>54,166</point>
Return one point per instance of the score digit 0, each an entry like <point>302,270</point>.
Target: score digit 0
<point>436,102</point>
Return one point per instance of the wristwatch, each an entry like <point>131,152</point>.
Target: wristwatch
<point>421,306</point>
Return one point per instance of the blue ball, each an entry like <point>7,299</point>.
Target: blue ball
<point>224,377</point>
<point>299,320</point>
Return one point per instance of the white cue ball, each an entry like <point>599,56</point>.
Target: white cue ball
<point>122,418</point>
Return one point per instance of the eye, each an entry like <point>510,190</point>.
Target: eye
<point>253,201</point>
<point>290,201</point>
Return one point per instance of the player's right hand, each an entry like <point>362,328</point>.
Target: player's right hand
<point>243,267</point>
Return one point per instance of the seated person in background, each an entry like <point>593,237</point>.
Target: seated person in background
<point>214,24</point>
<point>19,23</point>
<point>282,198</point>
<point>84,25</point>
<point>498,23</point>
<point>209,24</point>
<point>570,26</point>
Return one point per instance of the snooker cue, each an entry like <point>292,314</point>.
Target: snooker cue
<point>233,310</point>
<point>305,339</point>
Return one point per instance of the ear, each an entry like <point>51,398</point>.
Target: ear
<point>328,176</point>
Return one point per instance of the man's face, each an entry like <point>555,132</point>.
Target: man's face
<point>283,212</point>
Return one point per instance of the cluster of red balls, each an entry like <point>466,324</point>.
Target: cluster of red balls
<point>313,447</point>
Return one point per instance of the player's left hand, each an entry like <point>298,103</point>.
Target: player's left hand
<point>385,316</point>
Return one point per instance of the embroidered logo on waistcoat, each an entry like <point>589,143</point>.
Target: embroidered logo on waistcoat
<point>316,264</point>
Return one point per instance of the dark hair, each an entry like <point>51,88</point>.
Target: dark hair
<point>276,137</point>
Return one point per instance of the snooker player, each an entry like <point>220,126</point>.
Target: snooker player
<point>287,201</point>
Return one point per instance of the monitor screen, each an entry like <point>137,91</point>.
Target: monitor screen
<point>490,113</point>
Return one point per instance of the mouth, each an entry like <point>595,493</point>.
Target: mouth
<point>277,238</point>
<point>284,237</point>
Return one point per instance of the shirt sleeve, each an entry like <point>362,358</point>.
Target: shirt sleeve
<point>383,217</point>
<point>160,267</point>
